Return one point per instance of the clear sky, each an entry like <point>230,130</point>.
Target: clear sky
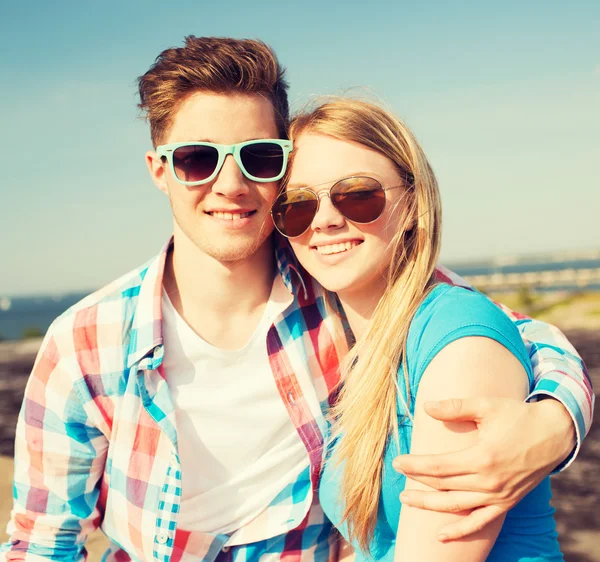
<point>504,96</point>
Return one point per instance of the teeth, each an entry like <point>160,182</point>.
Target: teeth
<point>336,248</point>
<point>230,216</point>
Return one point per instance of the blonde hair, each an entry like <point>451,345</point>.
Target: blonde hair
<point>366,412</point>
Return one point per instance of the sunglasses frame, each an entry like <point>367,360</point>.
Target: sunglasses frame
<point>327,192</point>
<point>167,151</point>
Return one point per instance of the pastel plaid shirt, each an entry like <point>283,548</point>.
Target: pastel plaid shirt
<point>96,440</point>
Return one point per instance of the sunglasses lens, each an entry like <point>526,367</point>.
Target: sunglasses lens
<point>263,160</point>
<point>360,200</point>
<point>195,163</point>
<point>294,211</point>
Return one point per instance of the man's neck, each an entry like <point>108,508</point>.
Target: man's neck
<point>222,301</point>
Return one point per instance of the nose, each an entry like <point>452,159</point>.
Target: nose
<point>230,181</point>
<point>327,217</point>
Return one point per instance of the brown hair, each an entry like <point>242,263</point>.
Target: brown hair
<point>211,64</point>
<point>366,413</point>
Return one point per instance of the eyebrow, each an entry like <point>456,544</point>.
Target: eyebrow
<point>345,176</point>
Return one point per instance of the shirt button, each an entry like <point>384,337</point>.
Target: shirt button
<point>226,548</point>
<point>162,538</point>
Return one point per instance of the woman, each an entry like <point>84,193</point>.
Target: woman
<point>362,210</point>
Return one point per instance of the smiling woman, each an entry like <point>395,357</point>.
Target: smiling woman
<point>369,205</point>
<point>362,210</point>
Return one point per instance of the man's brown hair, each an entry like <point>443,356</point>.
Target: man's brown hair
<point>218,65</point>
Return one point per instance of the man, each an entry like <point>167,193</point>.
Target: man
<point>155,409</point>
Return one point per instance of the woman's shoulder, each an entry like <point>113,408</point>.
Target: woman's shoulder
<point>448,307</point>
<point>449,313</point>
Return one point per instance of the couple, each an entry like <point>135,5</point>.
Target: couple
<point>230,400</point>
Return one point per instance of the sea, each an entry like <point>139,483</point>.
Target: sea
<point>28,316</point>
<point>516,265</point>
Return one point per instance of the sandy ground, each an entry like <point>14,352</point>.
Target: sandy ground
<point>576,491</point>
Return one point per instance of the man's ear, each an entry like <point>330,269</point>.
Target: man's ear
<point>158,171</point>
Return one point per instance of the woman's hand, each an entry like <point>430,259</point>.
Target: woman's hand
<point>518,445</point>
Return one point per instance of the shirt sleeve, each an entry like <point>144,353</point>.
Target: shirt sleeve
<point>59,460</point>
<point>558,370</point>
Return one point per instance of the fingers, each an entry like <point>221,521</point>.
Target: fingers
<point>459,483</point>
<point>459,409</point>
<point>471,523</point>
<point>447,502</point>
<point>442,465</point>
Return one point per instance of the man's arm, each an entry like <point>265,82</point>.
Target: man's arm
<point>59,459</point>
<point>505,463</point>
<point>559,373</point>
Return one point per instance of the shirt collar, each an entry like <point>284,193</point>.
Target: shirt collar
<point>146,339</point>
<point>293,274</point>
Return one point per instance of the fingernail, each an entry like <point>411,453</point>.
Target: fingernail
<point>442,538</point>
<point>404,498</point>
<point>433,404</point>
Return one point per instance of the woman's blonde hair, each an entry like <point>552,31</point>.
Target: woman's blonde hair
<point>366,411</point>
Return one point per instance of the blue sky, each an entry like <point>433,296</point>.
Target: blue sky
<point>504,96</point>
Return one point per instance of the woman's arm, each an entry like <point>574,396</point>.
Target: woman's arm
<point>559,373</point>
<point>471,366</point>
<point>504,465</point>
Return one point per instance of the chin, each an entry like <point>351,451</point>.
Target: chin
<point>335,284</point>
<point>232,248</point>
<point>233,252</point>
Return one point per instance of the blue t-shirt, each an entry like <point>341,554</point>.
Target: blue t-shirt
<point>449,313</point>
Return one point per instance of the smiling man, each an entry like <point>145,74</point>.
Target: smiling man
<point>182,408</point>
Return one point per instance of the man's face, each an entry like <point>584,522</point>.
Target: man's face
<point>209,214</point>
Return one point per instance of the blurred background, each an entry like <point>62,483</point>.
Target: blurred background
<point>504,96</point>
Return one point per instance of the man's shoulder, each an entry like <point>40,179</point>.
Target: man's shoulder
<point>446,275</point>
<point>115,305</point>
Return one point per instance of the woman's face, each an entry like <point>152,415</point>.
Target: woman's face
<point>343,256</point>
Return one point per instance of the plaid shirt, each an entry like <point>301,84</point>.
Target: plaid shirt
<point>96,439</point>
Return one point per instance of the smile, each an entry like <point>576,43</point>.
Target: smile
<point>337,248</point>
<point>230,216</point>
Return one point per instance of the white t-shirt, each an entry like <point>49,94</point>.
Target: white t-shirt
<point>237,445</point>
